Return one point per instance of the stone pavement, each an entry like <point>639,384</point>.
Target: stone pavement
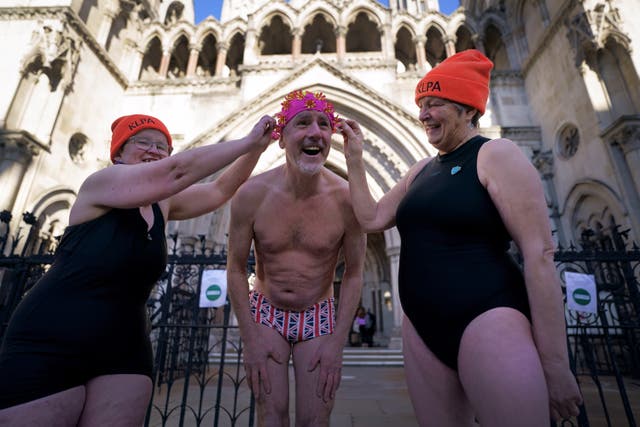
<point>377,396</point>
<point>373,396</point>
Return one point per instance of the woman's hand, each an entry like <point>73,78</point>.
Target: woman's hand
<point>260,135</point>
<point>564,394</point>
<point>353,138</point>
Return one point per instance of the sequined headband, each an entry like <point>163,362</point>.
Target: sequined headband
<point>298,101</point>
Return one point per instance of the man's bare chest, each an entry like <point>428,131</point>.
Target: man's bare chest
<point>313,228</point>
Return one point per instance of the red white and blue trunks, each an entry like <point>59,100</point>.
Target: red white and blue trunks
<point>314,321</point>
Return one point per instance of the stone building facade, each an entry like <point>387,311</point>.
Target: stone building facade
<point>565,87</point>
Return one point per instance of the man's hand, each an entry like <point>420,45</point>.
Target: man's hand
<point>329,357</point>
<point>256,352</point>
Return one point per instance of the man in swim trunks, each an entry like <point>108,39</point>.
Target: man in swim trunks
<point>300,220</point>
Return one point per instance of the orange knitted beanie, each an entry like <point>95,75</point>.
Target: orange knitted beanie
<point>125,127</point>
<point>462,78</point>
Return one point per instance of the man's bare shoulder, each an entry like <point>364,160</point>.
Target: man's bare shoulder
<point>335,182</point>
<point>337,186</point>
<point>261,183</point>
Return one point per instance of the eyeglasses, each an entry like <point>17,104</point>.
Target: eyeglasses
<point>144,145</point>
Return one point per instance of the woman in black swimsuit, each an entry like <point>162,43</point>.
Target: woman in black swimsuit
<point>481,339</point>
<point>76,351</point>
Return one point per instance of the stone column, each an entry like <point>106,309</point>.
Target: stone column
<point>623,140</point>
<point>135,56</point>
<point>221,61</point>
<point>543,162</point>
<point>450,46</point>
<point>341,42</point>
<point>296,48</point>
<point>250,49</point>
<point>164,64</point>
<point>105,26</point>
<point>478,42</point>
<point>393,252</point>
<point>194,53</point>
<point>420,53</point>
<point>387,42</point>
<point>17,150</point>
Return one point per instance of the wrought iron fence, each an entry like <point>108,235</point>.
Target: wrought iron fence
<point>604,345</point>
<point>195,383</point>
<point>198,376</point>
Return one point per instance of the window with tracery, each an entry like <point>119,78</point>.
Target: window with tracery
<point>568,141</point>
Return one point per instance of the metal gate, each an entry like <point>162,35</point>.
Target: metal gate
<point>604,347</point>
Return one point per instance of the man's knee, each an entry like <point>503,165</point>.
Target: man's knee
<point>314,417</point>
<point>273,409</point>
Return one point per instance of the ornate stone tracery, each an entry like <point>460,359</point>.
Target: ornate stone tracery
<point>589,30</point>
<point>54,52</point>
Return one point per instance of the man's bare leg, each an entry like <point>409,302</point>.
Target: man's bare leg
<point>273,408</point>
<point>311,410</point>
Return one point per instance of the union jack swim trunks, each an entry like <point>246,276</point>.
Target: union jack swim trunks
<point>316,320</point>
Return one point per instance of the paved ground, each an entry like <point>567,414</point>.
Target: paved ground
<point>376,397</point>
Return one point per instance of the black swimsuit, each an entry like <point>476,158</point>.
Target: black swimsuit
<point>87,315</point>
<point>454,263</point>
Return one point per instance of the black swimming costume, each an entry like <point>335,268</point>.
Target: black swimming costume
<point>454,263</point>
<point>87,315</point>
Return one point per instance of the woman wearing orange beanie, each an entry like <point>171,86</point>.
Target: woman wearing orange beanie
<point>76,351</point>
<point>481,339</point>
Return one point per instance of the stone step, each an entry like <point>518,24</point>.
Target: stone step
<point>363,356</point>
<point>351,356</point>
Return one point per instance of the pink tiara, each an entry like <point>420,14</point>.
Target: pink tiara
<point>298,101</point>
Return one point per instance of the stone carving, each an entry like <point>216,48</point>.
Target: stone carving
<point>588,31</point>
<point>543,162</point>
<point>53,52</point>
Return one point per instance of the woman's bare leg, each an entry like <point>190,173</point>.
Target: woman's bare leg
<point>61,409</point>
<point>500,370</point>
<point>436,393</point>
<point>118,400</point>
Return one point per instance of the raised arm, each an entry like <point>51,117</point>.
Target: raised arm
<point>516,190</point>
<point>329,356</point>
<point>372,216</point>
<point>199,199</point>
<point>256,351</point>
<point>129,186</point>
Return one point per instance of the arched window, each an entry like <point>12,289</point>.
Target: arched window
<point>235,53</point>
<point>495,49</point>
<point>275,38</point>
<point>179,59</point>
<point>435,48</point>
<point>151,61</point>
<point>174,13</point>
<point>319,35</point>
<point>207,58</point>
<point>405,49</point>
<point>464,39</point>
<point>363,35</point>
